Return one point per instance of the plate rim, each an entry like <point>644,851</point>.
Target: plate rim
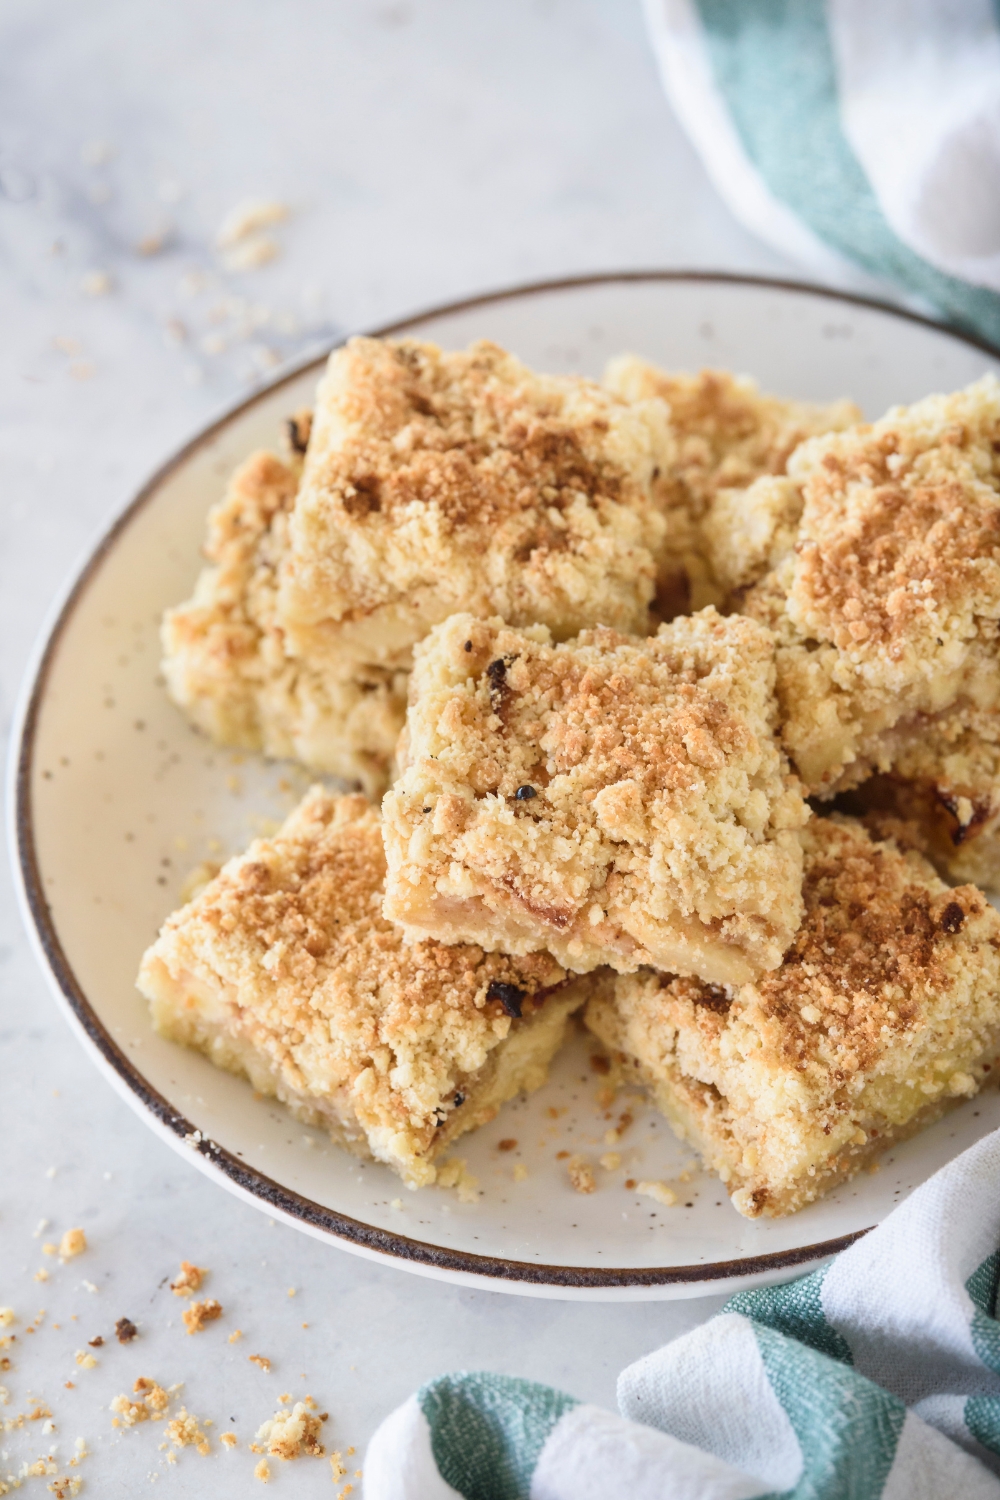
<point>173,1125</point>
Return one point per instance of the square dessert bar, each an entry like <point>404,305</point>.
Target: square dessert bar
<point>886,607</point>
<point>225,658</point>
<point>284,969</point>
<point>885,1011</point>
<point>728,434</point>
<point>438,482</point>
<point>613,800</point>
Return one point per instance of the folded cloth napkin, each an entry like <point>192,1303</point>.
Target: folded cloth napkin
<point>876,1376</point>
<point>859,129</point>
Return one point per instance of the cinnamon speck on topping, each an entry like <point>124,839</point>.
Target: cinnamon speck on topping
<point>189,1280</point>
<point>73,1242</point>
<point>199,1313</point>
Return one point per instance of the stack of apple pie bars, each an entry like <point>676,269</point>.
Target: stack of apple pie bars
<point>659,700</point>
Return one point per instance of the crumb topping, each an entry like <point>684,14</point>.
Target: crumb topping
<point>466,481</point>
<point>189,1280</point>
<point>660,795</point>
<point>293,934</point>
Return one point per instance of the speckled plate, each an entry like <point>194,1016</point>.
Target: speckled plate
<point>115,799</point>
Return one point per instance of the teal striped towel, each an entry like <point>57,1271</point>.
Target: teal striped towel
<point>876,1376</point>
<point>858,130</point>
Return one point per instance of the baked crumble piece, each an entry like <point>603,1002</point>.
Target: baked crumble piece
<point>885,1011</point>
<point>225,657</point>
<point>611,800</point>
<point>285,969</point>
<point>728,434</point>
<point>437,482</point>
<point>886,607</point>
<point>941,774</point>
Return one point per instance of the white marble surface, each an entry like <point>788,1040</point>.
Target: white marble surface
<point>426,151</point>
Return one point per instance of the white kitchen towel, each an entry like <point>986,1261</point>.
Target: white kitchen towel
<point>858,130</point>
<point>876,1377</point>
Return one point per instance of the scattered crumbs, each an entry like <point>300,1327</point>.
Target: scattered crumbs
<point>337,1465</point>
<point>236,1335</point>
<point>397,1204</point>
<point>554,1111</point>
<point>630,1183</point>
<point>49,1249</point>
<point>73,1242</point>
<point>874,1167</point>
<point>509,1144</point>
<point>7,1317</point>
<point>88,1286</point>
<point>7,1364</point>
<point>95,1343</point>
<point>260,1360</point>
<point>562,1155</point>
<point>520,1171</point>
<point>600,1064</point>
<point>291,1291</point>
<point>66,1486</point>
<point>285,1397</point>
<point>199,1313</point>
<point>305,1325</point>
<point>454,1173</point>
<point>69,1385</point>
<point>95,284</point>
<point>605,1097</point>
<point>228,1439</point>
<point>289,1434</point>
<point>189,1280</point>
<point>612,1137</point>
<point>248,218</point>
<point>125,1330</point>
<point>80,369</point>
<point>85,1361</point>
<point>658,1191</point>
<point>42,1274</point>
<point>350,1452</point>
<point>686,1176</point>
<point>624,1121</point>
<point>581,1176</point>
<point>184,1431</point>
<point>252,253</point>
<point>611,1161</point>
<point>262,1472</point>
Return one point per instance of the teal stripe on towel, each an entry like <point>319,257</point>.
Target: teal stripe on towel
<point>796,1309</point>
<point>774,66</point>
<point>488,1430</point>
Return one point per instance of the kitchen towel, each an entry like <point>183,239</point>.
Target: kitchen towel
<point>858,130</point>
<point>876,1377</point>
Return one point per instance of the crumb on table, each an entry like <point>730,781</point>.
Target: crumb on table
<point>199,1313</point>
<point>189,1280</point>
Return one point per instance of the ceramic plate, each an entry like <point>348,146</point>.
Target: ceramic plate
<point>117,799</point>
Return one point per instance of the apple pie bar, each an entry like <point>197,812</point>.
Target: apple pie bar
<point>728,434</point>
<point>886,607</point>
<point>225,659</point>
<point>885,1011</point>
<point>439,482</point>
<point>611,799</point>
<point>284,969</point>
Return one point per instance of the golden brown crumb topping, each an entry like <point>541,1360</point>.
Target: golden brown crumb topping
<point>473,483</point>
<point>880,931</point>
<point>604,781</point>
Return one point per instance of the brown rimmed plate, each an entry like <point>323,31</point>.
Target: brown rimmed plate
<point>115,799</point>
